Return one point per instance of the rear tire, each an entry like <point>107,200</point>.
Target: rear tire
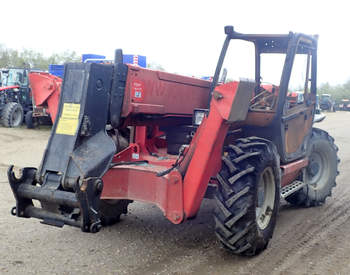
<point>321,172</point>
<point>111,210</point>
<point>248,195</point>
<point>12,115</point>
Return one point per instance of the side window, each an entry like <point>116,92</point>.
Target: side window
<point>271,67</point>
<point>299,84</point>
<point>239,62</point>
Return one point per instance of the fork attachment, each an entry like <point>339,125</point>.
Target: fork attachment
<point>68,183</point>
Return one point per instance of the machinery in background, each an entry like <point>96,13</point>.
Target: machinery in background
<point>15,96</point>
<point>327,103</point>
<point>46,89</point>
<point>344,105</point>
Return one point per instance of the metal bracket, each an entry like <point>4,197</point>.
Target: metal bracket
<point>88,193</point>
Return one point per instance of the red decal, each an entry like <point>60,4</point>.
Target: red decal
<point>137,91</point>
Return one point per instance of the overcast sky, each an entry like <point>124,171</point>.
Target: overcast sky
<point>182,36</point>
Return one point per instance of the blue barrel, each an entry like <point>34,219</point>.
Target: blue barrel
<point>92,56</point>
<point>56,70</point>
<point>127,59</point>
<point>135,59</point>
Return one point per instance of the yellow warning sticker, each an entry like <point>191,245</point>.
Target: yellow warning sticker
<point>68,122</point>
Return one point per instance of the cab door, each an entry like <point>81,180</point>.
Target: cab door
<point>298,109</point>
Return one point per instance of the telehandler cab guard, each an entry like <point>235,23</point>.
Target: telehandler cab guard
<point>126,133</point>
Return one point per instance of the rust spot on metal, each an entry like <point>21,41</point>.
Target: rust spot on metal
<point>83,186</point>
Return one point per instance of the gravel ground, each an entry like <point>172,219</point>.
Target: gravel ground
<point>306,240</point>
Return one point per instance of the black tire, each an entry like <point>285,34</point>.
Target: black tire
<point>320,175</point>
<point>12,115</point>
<point>29,120</point>
<point>238,224</point>
<point>111,210</point>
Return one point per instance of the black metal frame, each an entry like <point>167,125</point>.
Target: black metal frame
<point>69,180</point>
<point>118,89</point>
<point>289,44</point>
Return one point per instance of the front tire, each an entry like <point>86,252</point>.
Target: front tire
<point>12,115</point>
<point>29,120</point>
<point>321,172</point>
<point>111,210</point>
<point>248,195</point>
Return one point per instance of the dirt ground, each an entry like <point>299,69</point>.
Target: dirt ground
<point>306,240</point>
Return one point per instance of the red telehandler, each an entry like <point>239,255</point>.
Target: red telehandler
<point>125,133</point>
<point>46,89</point>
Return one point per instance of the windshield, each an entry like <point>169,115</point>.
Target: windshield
<point>271,67</point>
<point>239,62</point>
<point>14,77</point>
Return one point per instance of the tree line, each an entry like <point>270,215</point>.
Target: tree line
<point>33,59</point>
<point>338,92</point>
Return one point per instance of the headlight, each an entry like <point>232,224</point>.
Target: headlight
<point>199,115</point>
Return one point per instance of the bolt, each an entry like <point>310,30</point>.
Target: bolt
<point>176,217</point>
<point>313,169</point>
<point>99,85</point>
<point>173,180</point>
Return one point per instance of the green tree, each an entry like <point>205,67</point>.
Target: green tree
<point>155,66</point>
<point>33,59</point>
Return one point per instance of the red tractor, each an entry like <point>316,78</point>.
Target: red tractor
<point>125,133</point>
<point>15,96</point>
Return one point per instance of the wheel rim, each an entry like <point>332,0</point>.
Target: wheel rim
<point>317,172</point>
<point>16,117</point>
<point>265,198</point>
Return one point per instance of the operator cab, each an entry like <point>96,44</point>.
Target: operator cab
<point>263,58</point>
<point>279,65</point>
